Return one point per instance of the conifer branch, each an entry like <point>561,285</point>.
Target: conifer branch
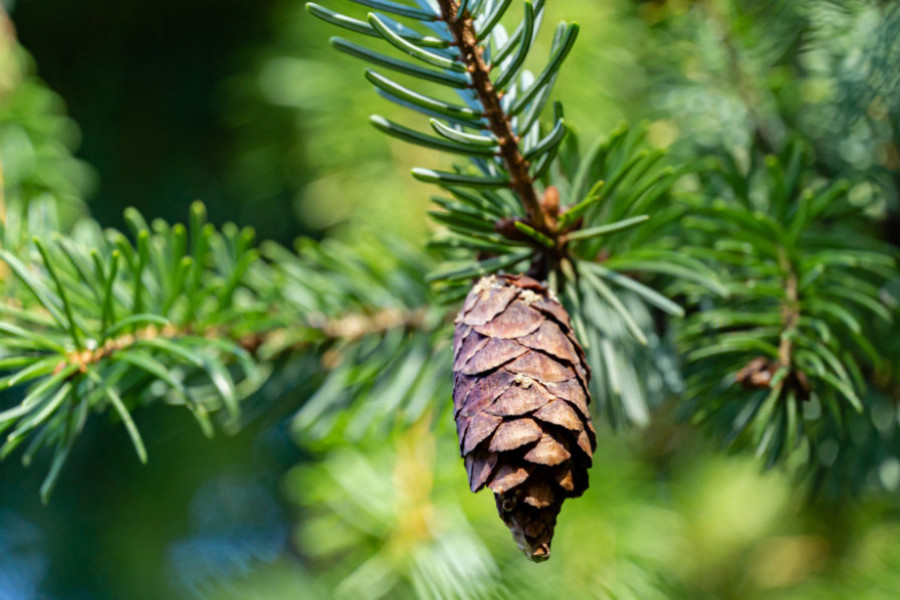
<point>521,181</point>
<point>91,322</point>
<point>804,288</point>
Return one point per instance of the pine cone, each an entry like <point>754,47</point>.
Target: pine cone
<point>521,398</point>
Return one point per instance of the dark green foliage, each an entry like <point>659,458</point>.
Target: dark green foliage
<point>194,317</point>
<point>386,353</point>
<point>722,263</point>
<point>101,318</point>
<point>771,257</point>
<point>805,285</point>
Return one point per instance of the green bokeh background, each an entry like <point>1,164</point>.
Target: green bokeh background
<point>244,105</point>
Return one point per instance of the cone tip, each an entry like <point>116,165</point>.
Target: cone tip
<point>538,554</point>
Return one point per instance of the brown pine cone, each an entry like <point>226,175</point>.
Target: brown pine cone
<point>521,398</point>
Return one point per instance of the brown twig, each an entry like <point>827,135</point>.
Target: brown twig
<point>349,327</point>
<point>521,182</point>
<point>790,313</point>
<point>84,358</point>
<point>759,372</point>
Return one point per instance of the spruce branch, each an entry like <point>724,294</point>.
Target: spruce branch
<point>495,123</point>
<point>193,317</point>
<point>466,40</point>
<point>805,285</point>
<point>197,316</point>
<point>536,228</point>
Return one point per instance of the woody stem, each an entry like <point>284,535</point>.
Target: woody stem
<point>521,181</point>
<point>790,314</point>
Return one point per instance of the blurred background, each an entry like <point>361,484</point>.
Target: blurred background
<point>243,104</point>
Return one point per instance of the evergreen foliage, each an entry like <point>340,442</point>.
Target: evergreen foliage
<point>804,283</point>
<point>740,280</point>
<point>767,275</point>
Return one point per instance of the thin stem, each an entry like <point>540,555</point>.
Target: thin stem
<point>790,313</point>
<point>349,327</point>
<point>521,182</point>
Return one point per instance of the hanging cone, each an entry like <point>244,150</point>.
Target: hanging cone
<point>521,405</point>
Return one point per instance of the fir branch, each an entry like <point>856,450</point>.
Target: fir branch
<point>803,291</point>
<point>349,327</point>
<point>521,181</point>
<point>91,324</point>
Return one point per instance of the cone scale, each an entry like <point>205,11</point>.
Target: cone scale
<point>521,400</point>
